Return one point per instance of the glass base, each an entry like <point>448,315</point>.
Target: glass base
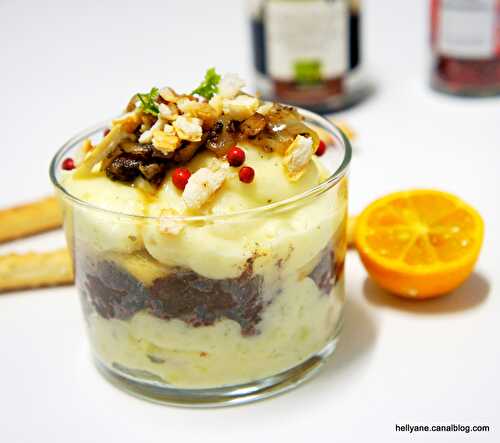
<point>160,392</point>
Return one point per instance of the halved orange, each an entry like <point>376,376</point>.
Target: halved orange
<point>419,243</point>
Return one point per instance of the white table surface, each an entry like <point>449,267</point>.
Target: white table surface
<point>65,65</point>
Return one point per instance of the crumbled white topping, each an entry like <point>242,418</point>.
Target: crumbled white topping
<point>201,186</point>
<point>188,128</point>
<point>169,226</point>
<point>165,111</point>
<point>241,107</point>
<point>297,156</point>
<point>147,136</point>
<point>265,108</point>
<point>230,86</point>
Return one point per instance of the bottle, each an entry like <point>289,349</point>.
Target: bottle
<point>465,39</point>
<point>308,52</point>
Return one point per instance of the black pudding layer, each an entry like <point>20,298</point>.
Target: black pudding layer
<point>186,295</point>
<point>182,294</point>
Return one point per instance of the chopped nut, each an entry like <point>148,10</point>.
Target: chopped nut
<point>169,95</point>
<point>168,112</point>
<point>197,109</point>
<point>201,186</point>
<point>164,142</point>
<point>297,156</point>
<point>240,107</point>
<point>188,128</point>
<point>167,225</point>
<point>230,86</point>
<point>147,136</point>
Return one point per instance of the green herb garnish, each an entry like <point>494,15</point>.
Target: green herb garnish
<point>148,102</point>
<point>208,87</point>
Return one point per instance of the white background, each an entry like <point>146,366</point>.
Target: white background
<point>65,65</point>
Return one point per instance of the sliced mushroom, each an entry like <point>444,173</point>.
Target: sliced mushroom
<point>153,172</point>
<point>253,125</point>
<point>222,136</point>
<point>124,168</point>
<point>187,151</point>
<point>139,151</point>
<point>283,124</point>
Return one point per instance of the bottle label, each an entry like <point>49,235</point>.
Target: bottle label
<point>467,28</point>
<point>306,41</point>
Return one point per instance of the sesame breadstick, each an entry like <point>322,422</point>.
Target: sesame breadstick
<point>35,270</point>
<point>33,218</point>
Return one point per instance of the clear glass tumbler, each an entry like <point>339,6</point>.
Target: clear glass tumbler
<point>254,309</point>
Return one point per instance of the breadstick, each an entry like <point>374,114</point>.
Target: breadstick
<point>35,270</point>
<point>29,219</point>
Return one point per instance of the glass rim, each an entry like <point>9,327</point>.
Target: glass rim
<point>317,190</point>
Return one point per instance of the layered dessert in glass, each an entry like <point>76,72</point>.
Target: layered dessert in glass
<point>208,239</point>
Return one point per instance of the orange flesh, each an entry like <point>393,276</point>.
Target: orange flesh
<point>427,233</point>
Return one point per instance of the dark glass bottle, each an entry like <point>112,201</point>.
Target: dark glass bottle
<point>308,52</point>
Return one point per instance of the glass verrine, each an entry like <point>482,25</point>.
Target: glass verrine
<point>235,308</point>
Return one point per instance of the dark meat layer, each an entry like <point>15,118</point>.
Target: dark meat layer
<point>114,292</point>
<point>201,301</point>
<point>183,294</point>
<point>327,271</point>
<point>188,296</point>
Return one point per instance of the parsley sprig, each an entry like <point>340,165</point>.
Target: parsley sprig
<point>148,101</point>
<point>209,86</point>
<point>207,89</point>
